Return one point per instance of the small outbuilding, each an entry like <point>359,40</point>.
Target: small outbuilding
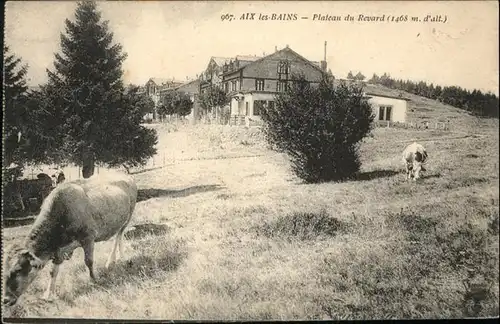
<point>387,107</point>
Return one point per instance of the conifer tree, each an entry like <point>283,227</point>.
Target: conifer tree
<point>15,87</point>
<point>95,118</point>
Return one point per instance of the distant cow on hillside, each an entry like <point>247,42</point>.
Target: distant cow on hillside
<point>76,213</point>
<point>414,156</point>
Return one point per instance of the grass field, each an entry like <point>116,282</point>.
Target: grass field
<point>247,240</point>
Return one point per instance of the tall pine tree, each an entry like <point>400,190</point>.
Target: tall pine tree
<point>14,75</point>
<point>97,120</point>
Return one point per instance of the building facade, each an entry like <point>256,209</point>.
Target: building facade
<point>253,85</point>
<point>212,76</point>
<point>388,105</point>
<point>154,88</point>
<point>192,89</point>
<point>388,109</point>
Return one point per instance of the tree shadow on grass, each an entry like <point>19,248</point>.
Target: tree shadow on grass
<point>146,170</point>
<point>371,175</point>
<point>145,194</point>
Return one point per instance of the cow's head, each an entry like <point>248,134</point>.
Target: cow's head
<point>417,167</point>
<point>420,158</point>
<point>21,267</point>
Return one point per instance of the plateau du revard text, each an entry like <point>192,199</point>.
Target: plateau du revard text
<point>324,17</point>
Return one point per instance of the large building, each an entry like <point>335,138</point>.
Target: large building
<point>252,85</point>
<point>212,76</point>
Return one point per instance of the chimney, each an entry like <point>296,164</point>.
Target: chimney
<point>323,63</point>
<point>324,59</point>
<point>275,49</point>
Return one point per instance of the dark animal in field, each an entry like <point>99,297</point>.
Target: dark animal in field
<point>13,200</point>
<point>37,189</point>
<point>29,193</point>
<point>76,213</point>
<point>414,156</point>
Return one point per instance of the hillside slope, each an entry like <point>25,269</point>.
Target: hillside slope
<point>424,109</point>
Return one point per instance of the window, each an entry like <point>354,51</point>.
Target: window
<point>385,113</point>
<point>247,112</point>
<point>259,84</point>
<point>381,111</point>
<point>233,86</point>
<point>388,111</point>
<point>258,105</point>
<point>283,67</point>
<point>226,87</point>
<point>281,86</point>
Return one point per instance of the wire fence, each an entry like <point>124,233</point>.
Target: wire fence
<point>422,125</point>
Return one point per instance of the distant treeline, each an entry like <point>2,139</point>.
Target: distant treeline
<point>476,102</point>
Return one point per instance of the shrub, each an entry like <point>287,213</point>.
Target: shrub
<point>320,127</point>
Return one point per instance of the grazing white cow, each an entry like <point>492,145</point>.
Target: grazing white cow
<point>75,213</point>
<point>414,156</point>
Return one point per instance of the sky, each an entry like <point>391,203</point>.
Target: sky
<point>175,39</point>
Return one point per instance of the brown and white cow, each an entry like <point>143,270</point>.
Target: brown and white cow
<point>76,213</point>
<point>414,156</point>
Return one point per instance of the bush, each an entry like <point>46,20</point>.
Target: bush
<point>304,226</point>
<point>320,127</point>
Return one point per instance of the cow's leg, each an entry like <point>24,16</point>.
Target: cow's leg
<point>112,255</point>
<point>119,237</point>
<point>88,250</point>
<point>120,244</point>
<point>48,295</point>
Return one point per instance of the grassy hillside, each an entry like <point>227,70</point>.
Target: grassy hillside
<point>246,239</point>
<point>424,109</point>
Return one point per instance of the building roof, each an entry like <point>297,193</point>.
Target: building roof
<point>381,91</point>
<point>249,58</point>
<point>377,90</point>
<point>161,81</point>
<point>370,94</point>
<point>220,61</point>
<point>313,64</point>
<point>187,83</point>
